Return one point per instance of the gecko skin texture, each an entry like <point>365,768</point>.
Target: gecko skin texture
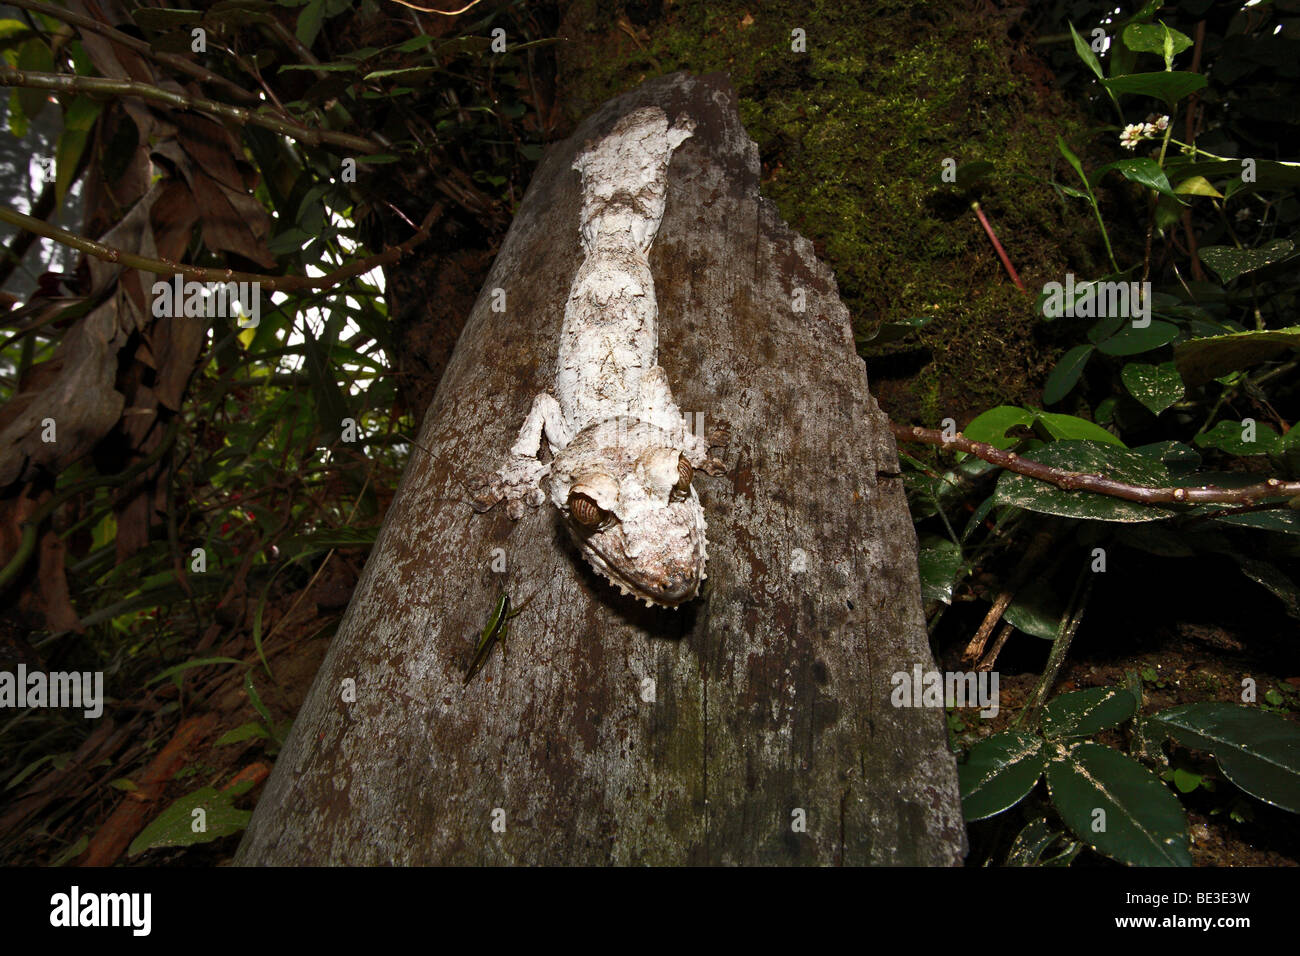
<point>622,454</point>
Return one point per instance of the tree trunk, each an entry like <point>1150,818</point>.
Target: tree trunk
<point>752,725</point>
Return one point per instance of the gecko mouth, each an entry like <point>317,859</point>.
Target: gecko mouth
<point>673,588</point>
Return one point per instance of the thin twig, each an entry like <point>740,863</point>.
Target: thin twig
<point>1273,488</point>
<point>70,83</point>
<point>1060,648</point>
<point>445,13</point>
<point>169,267</point>
<point>178,63</point>
<point>1006,261</point>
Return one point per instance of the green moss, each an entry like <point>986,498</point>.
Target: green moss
<point>852,134</point>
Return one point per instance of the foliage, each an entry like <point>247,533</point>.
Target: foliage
<point>1185,372</point>
<point>289,436</point>
<point>1110,801</point>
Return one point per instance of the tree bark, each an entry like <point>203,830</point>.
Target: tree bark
<point>612,732</point>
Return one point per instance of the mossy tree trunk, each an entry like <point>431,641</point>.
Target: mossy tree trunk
<point>754,725</point>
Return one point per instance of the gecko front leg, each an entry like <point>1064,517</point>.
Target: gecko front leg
<point>519,479</point>
<point>663,411</point>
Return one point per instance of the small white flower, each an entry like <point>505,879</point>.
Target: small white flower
<point>1131,136</point>
<point>1149,130</point>
<point>1161,123</point>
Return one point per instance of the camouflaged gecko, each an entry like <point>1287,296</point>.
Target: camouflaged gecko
<point>623,455</point>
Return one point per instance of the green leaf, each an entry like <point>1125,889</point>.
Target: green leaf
<point>1229,436</point>
<point>406,73</point>
<point>34,55</point>
<point>1037,610</point>
<point>1230,262</point>
<point>1066,427</point>
<point>1283,522</point>
<point>939,560</point>
<point>175,825</point>
<point>1084,713</point>
<point>243,732</point>
<point>1150,38</point>
<point>1085,53</point>
<point>991,427</point>
<point>1169,86</point>
<point>340,66</point>
<point>888,332</point>
<point>1141,170</point>
<point>1271,578</point>
<point>1031,845</point>
<point>1197,186</point>
<point>1155,386</point>
<point>1070,157</point>
<point>1066,374</point>
<point>201,662</point>
<point>999,772</point>
<point>1133,340</point>
<point>309,22</point>
<point>1143,823</point>
<point>1186,781</point>
<point>1201,360</point>
<point>1090,458</point>
<point>1256,750</point>
<point>77,123</point>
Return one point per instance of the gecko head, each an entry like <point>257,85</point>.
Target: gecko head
<point>624,489</point>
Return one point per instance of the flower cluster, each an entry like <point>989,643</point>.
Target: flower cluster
<point>1136,132</point>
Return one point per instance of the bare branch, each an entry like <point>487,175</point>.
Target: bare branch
<point>178,63</point>
<point>1273,488</point>
<point>69,83</point>
<point>169,267</point>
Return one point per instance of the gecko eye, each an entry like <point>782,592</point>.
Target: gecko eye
<point>684,475</point>
<point>585,511</point>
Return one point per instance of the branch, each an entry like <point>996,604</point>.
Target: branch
<point>445,13</point>
<point>170,267</point>
<point>70,83</point>
<point>1002,254</point>
<point>1273,488</point>
<point>178,63</point>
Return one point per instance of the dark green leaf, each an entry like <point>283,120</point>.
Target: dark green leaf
<point>1256,750</point>
<point>1231,437</point>
<point>1031,846</point>
<point>1155,386</point>
<point>1084,713</point>
<point>1230,262</point>
<point>999,772</point>
<point>1066,374</point>
<point>1037,610</point>
<point>1119,807</point>
<point>309,22</point>
<point>175,826</point>
<point>1141,170</point>
<point>1169,86</point>
<point>1091,458</point>
<point>939,561</point>
<point>1132,340</point>
<point>1201,360</point>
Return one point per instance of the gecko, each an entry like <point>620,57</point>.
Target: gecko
<point>622,454</point>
